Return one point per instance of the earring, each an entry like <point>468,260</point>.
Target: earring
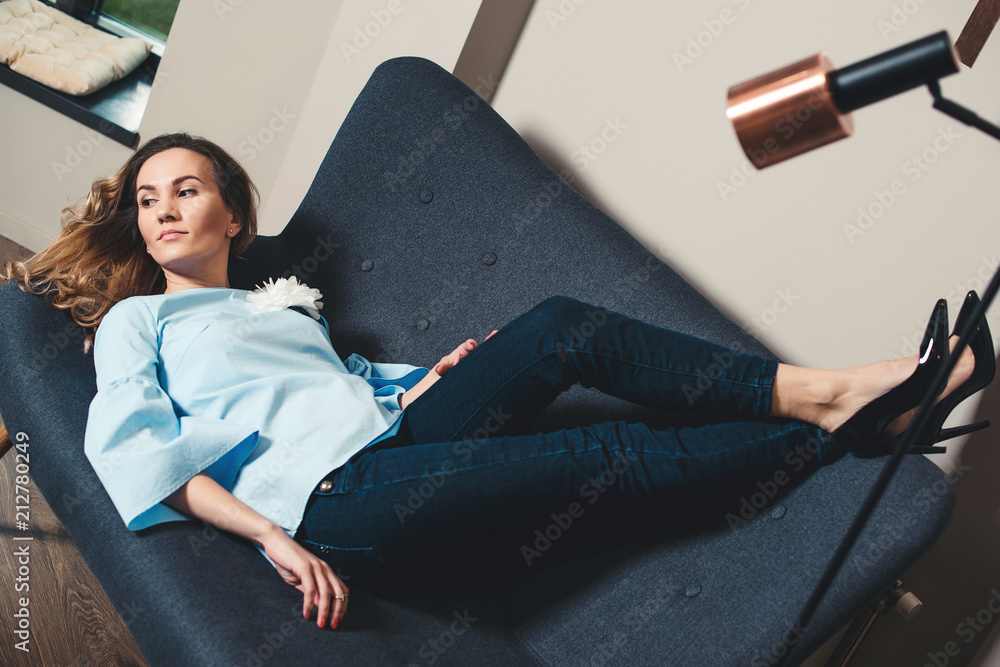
<point>230,232</point>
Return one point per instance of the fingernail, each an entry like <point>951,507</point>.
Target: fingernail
<point>322,621</point>
<point>336,622</point>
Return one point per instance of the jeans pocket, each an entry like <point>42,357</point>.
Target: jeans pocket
<point>344,555</point>
<point>348,562</point>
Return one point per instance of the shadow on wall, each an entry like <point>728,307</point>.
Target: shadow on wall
<point>564,166</point>
<point>490,44</point>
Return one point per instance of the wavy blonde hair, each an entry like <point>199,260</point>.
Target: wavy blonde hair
<point>99,258</point>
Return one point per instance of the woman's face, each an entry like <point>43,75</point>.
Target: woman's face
<point>182,218</point>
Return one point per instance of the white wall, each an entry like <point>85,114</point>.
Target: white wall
<point>771,249</point>
<point>272,87</point>
<point>48,162</point>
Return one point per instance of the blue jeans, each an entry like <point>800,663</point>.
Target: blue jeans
<point>466,477</point>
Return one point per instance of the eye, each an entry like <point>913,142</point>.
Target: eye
<point>146,202</point>
<point>187,190</point>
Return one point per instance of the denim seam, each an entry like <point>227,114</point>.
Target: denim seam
<point>743,445</point>
<point>481,466</point>
<point>766,399</point>
<point>547,353</point>
<point>670,370</point>
<point>493,464</point>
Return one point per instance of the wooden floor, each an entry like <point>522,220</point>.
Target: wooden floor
<point>72,622</point>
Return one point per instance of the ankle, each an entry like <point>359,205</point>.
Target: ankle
<point>804,394</point>
<point>846,391</point>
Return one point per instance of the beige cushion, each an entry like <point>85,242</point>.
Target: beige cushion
<point>55,49</point>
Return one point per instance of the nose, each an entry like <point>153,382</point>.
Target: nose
<point>166,210</point>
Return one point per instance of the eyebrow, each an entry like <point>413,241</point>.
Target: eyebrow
<point>179,179</point>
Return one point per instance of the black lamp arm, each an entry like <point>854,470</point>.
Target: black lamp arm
<point>960,113</point>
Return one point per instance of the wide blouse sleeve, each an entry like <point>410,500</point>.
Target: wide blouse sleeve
<point>140,447</point>
<point>387,380</point>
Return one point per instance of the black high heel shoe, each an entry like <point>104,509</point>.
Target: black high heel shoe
<point>981,344</point>
<point>864,434</point>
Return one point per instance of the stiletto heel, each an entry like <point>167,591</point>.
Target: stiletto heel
<point>864,434</point>
<point>925,450</point>
<point>981,344</point>
<point>949,433</point>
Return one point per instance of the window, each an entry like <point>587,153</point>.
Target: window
<point>152,17</point>
<point>148,19</point>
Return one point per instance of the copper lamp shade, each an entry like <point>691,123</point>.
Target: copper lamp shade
<point>787,112</point>
<point>807,104</point>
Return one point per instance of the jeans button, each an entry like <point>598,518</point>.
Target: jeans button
<point>325,486</point>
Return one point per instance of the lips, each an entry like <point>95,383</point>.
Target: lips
<point>168,234</point>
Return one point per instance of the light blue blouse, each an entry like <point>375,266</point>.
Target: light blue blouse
<point>194,381</point>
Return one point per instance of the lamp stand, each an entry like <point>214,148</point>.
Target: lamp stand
<point>919,424</point>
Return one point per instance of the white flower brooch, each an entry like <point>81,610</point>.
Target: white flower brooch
<point>285,293</point>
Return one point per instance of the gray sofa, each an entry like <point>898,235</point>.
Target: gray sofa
<point>431,221</point>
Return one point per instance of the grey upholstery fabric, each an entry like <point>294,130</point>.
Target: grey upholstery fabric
<point>431,221</point>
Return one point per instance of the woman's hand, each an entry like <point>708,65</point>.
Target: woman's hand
<point>450,360</point>
<point>311,575</point>
<point>460,353</point>
<point>203,498</point>
<point>439,369</point>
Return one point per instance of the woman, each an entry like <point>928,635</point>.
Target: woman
<point>229,407</point>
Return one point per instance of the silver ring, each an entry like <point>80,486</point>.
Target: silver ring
<point>342,598</point>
